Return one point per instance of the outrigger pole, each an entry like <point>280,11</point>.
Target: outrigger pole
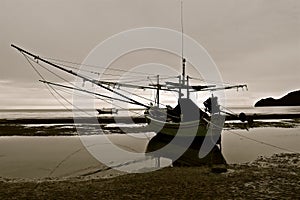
<point>78,75</point>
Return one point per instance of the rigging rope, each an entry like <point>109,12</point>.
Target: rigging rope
<point>145,98</point>
<point>48,86</point>
<point>93,72</point>
<point>130,78</point>
<point>95,66</point>
<point>262,142</point>
<point>210,81</point>
<point>252,139</point>
<point>61,96</point>
<point>33,60</point>
<point>138,114</point>
<point>143,80</point>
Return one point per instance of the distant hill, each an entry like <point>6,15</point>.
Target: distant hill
<point>291,99</point>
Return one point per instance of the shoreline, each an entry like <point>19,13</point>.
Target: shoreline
<point>90,126</point>
<point>128,119</point>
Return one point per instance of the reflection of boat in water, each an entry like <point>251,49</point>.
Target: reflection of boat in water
<point>185,121</point>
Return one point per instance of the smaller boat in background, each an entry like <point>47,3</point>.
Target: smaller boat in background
<point>110,111</point>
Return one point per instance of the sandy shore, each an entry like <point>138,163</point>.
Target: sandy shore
<point>276,177</point>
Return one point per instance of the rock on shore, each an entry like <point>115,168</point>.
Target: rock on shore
<point>291,99</point>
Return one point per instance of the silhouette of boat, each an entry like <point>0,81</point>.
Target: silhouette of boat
<point>185,121</point>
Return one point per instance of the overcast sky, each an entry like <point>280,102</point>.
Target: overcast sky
<point>252,41</point>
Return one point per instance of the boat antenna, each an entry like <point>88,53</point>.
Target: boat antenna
<point>182,58</point>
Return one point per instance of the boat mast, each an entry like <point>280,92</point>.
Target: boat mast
<point>179,91</point>
<point>182,58</point>
<point>157,92</point>
<point>187,87</point>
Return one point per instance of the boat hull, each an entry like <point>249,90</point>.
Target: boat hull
<point>182,129</point>
<point>193,133</point>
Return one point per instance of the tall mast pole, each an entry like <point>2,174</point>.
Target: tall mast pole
<point>187,87</point>
<point>179,89</point>
<point>157,92</point>
<point>182,58</point>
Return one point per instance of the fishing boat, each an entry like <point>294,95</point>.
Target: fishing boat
<point>186,121</point>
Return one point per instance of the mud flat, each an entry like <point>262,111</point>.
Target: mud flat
<point>88,126</point>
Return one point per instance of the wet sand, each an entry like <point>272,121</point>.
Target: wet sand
<point>276,177</point>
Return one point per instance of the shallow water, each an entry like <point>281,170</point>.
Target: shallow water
<point>61,156</point>
<point>249,145</point>
<point>39,157</point>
